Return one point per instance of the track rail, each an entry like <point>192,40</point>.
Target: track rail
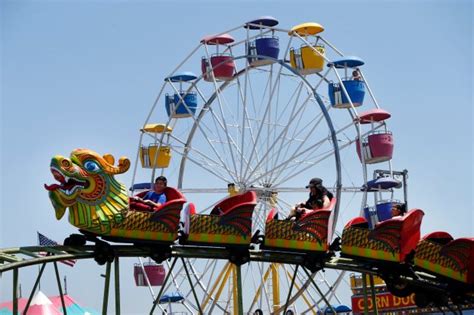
<point>14,258</point>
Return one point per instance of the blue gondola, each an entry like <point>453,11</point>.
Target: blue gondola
<point>182,104</point>
<point>268,46</point>
<point>355,87</point>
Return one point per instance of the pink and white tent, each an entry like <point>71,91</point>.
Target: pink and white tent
<point>42,305</point>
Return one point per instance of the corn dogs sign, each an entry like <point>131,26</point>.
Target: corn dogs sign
<point>384,301</point>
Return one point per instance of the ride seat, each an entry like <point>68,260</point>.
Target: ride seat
<point>409,230</point>
<point>466,246</point>
<point>438,237</point>
<point>229,204</point>
<point>328,208</point>
<point>358,222</point>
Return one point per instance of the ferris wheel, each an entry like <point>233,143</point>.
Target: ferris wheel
<point>264,109</point>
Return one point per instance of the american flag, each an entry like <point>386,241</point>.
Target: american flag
<point>44,241</point>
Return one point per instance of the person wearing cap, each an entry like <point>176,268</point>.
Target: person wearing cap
<point>319,198</point>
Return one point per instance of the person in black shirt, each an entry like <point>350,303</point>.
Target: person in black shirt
<point>319,198</point>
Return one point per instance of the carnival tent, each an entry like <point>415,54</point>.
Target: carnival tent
<point>42,305</point>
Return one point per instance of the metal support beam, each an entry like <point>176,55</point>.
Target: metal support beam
<point>240,303</point>
<point>58,280</point>
<point>105,301</point>
<point>157,300</point>
<point>275,286</point>
<point>372,289</point>
<point>15,291</point>
<point>291,289</point>
<point>221,287</point>
<point>117,285</point>
<point>214,286</point>
<point>364,291</point>
<point>38,278</point>
<point>319,291</point>
<point>192,287</point>
<point>235,310</point>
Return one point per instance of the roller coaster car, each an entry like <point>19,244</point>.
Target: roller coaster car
<point>451,259</point>
<point>389,247</point>
<point>391,240</point>
<point>99,205</point>
<point>308,233</point>
<point>228,224</point>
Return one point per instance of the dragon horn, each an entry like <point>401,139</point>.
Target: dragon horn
<point>108,164</point>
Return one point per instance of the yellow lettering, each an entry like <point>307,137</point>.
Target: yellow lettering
<point>360,304</point>
<point>384,302</point>
<point>406,300</point>
<point>371,303</point>
<point>396,300</point>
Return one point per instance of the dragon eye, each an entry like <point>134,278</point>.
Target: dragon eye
<point>91,166</point>
<point>65,163</point>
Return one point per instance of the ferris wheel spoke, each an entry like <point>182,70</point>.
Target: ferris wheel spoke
<point>218,125</point>
<point>255,288</point>
<point>284,206</point>
<point>324,156</point>
<point>245,122</point>
<point>289,160</point>
<point>255,121</point>
<point>269,116</point>
<point>307,151</point>
<point>206,164</point>
<point>296,151</point>
<point>223,164</point>
<point>264,277</point>
<point>267,108</point>
<point>274,130</point>
<point>279,138</point>
<point>220,101</point>
<point>304,166</point>
<point>234,144</point>
<point>296,92</point>
<point>302,162</point>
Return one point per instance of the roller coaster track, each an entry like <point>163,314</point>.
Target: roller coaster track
<point>15,258</point>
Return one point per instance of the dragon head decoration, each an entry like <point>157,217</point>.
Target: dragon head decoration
<point>88,188</point>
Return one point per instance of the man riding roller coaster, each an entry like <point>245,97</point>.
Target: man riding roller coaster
<point>319,198</point>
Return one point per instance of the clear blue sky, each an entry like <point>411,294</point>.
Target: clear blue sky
<point>84,74</point>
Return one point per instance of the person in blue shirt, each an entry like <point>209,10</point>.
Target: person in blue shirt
<point>155,197</point>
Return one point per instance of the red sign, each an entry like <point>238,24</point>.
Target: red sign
<point>384,301</point>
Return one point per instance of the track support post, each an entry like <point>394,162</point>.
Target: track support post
<point>105,300</point>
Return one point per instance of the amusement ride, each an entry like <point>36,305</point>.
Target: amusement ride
<point>240,126</point>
